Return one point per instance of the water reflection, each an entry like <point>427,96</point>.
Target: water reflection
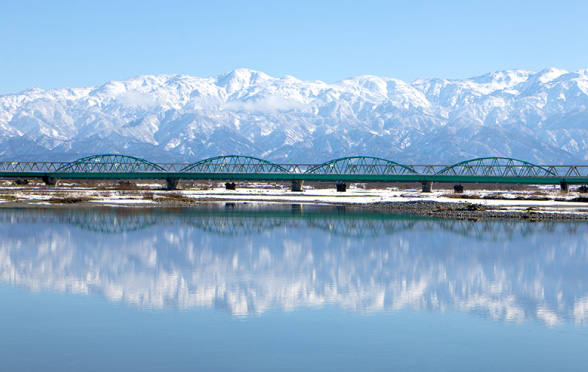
<point>247,259</point>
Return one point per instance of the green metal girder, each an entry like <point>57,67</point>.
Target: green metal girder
<point>496,166</point>
<point>234,164</point>
<point>360,165</point>
<point>246,168</point>
<point>110,163</point>
<point>291,176</point>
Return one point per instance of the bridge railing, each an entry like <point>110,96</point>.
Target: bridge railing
<point>427,169</point>
<point>559,171</point>
<point>291,168</point>
<point>568,171</point>
<point>296,168</point>
<point>33,166</point>
<point>173,167</point>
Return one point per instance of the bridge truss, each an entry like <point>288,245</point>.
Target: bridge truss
<point>349,169</point>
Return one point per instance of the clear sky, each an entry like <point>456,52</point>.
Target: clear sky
<point>59,43</point>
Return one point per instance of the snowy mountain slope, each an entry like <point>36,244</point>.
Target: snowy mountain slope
<point>538,117</point>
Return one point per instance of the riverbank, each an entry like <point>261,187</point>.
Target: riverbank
<point>478,212</point>
<point>529,203</point>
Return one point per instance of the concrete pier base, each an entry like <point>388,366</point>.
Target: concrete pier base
<point>427,186</point>
<point>297,185</point>
<point>50,181</point>
<point>172,183</point>
<point>565,187</point>
<point>341,187</point>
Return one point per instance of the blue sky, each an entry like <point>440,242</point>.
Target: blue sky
<point>56,43</point>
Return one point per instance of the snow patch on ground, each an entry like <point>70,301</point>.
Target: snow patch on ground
<point>542,200</point>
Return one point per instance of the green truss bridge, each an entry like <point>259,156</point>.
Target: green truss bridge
<point>235,168</point>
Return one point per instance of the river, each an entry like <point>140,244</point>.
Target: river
<point>254,287</point>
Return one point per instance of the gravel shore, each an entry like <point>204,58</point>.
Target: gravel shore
<point>432,209</point>
<point>470,211</point>
<point>529,205</point>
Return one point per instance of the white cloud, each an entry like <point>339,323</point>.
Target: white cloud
<point>264,105</point>
<point>137,99</point>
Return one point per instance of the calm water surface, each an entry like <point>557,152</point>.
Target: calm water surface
<point>240,287</point>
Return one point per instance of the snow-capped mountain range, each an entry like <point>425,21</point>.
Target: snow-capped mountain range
<point>539,117</point>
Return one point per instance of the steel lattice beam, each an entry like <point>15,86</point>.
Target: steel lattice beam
<point>349,169</point>
<point>361,165</point>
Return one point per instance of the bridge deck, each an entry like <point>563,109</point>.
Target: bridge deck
<point>484,170</point>
<point>295,176</point>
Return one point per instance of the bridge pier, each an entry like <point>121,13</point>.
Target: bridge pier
<point>341,187</point>
<point>297,185</point>
<point>427,186</point>
<point>565,187</point>
<point>50,181</point>
<point>172,183</point>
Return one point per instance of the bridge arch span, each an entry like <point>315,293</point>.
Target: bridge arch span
<point>360,165</point>
<point>112,163</point>
<point>233,164</point>
<point>496,166</point>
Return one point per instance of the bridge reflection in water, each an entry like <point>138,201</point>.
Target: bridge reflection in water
<point>247,259</point>
<point>224,219</point>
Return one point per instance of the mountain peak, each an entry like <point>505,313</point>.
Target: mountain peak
<point>502,79</point>
<point>549,74</point>
<point>242,77</point>
<point>33,90</point>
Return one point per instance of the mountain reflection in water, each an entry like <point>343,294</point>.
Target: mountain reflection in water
<point>247,259</point>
